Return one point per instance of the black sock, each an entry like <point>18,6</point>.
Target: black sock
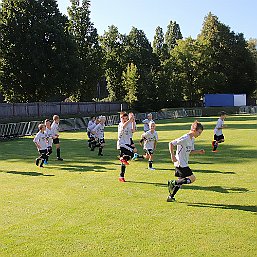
<point>150,163</point>
<point>122,170</point>
<point>175,190</point>
<point>58,151</point>
<point>183,181</point>
<point>100,150</point>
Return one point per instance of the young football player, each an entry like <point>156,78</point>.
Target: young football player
<point>56,140</point>
<point>185,147</point>
<point>98,131</point>
<point>91,124</point>
<point>49,135</point>
<point>124,142</point>
<point>146,121</point>
<point>150,139</point>
<point>218,134</point>
<point>40,141</point>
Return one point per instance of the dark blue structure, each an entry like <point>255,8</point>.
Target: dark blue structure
<point>219,100</point>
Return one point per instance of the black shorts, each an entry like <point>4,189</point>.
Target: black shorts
<point>127,150</point>
<point>101,141</point>
<point>131,141</point>
<point>218,138</point>
<point>149,151</point>
<point>183,172</point>
<point>56,141</point>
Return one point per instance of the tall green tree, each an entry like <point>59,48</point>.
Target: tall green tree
<point>129,82</point>
<point>159,47</point>
<point>231,67</point>
<point>38,61</point>
<point>140,52</point>
<point>88,49</point>
<point>112,43</point>
<point>172,34</point>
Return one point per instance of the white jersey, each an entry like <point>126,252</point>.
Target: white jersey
<point>150,139</point>
<point>41,140</point>
<point>129,126</point>
<point>49,134</point>
<point>91,128</point>
<point>55,128</point>
<point>220,124</point>
<point>124,135</point>
<point>99,131</point>
<point>185,145</point>
<point>146,124</point>
<point>91,124</point>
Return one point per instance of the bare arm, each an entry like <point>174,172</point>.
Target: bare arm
<point>197,151</point>
<point>172,155</point>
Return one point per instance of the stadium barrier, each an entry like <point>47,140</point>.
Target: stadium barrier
<point>14,130</point>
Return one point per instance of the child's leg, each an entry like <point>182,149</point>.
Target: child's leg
<point>100,150</point>
<point>150,161</point>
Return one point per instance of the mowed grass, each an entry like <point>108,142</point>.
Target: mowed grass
<point>79,208</point>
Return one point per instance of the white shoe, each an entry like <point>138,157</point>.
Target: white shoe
<point>151,168</point>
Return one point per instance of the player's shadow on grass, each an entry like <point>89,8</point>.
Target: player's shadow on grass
<point>147,183</point>
<point>248,208</point>
<point>28,173</point>
<point>219,189</point>
<point>214,172</point>
<point>75,168</point>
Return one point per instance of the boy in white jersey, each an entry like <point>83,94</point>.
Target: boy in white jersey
<point>146,121</point>
<point>49,134</point>
<point>218,135</point>
<point>185,147</point>
<point>56,140</point>
<point>40,141</point>
<point>98,131</point>
<point>124,142</point>
<point>91,124</point>
<point>150,140</point>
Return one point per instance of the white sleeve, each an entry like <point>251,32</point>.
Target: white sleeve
<point>36,139</point>
<point>145,121</point>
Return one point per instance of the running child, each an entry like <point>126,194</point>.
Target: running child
<point>49,134</point>
<point>185,147</point>
<point>40,141</point>
<point>150,139</point>
<point>218,135</point>
<point>56,140</point>
<point>98,131</point>
<point>146,121</point>
<point>91,124</point>
<point>124,142</point>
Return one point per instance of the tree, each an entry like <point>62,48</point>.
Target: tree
<point>159,47</point>
<point>129,82</point>
<point>88,49</point>
<point>37,54</point>
<point>112,43</point>
<point>140,52</point>
<point>172,34</point>
<point>230,66</point>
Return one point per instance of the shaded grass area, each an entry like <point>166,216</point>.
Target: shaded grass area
<point>78,207</point>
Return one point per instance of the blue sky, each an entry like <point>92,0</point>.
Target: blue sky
<point>239,15</point>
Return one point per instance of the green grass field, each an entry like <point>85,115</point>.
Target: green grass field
<point>79,208</point>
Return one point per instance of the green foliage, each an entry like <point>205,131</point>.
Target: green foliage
<point>79,208</point>
<point>38,61</point>
<point>112,43</point>
<point>172,34</point>
<point>88,50</point>
<point>129,83</point>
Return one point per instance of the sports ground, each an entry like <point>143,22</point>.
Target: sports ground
<point>79,208</point>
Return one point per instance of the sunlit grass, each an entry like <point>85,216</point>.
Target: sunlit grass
<point>79,208</point>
